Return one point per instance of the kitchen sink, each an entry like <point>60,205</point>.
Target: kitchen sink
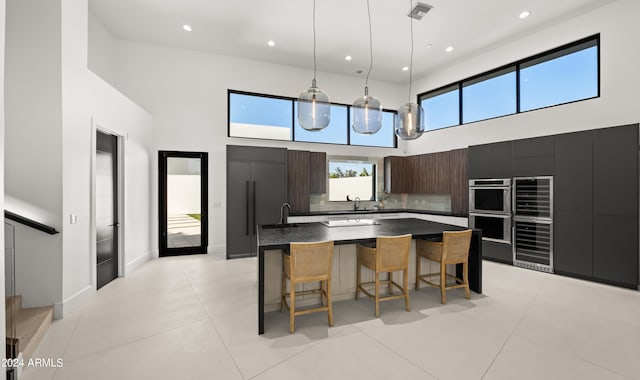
<point>350,222</point>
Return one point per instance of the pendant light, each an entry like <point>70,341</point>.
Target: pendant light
<point>367,110</point>
<point>314,108</point>
<point>410,119</point>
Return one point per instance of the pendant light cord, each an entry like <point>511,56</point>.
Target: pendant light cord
<point>411,59</point>
<point>366,83</point>
<point>314,43</point>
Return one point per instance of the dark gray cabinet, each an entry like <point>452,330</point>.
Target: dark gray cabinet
<point>573,180</point>
<point>573,200</point>
<point>615,249</point>
<point>533,157</point>
<point>595,227</point>
<point>615,171</point>
<point>615,205</point>
<point>490,160</point>
<point>256,188</point>
<point>572,243</point>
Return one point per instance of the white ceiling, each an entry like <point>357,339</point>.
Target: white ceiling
<point>241,28</point>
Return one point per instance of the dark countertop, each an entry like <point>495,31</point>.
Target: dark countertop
<point>382,211</point>
<point>279,238</point>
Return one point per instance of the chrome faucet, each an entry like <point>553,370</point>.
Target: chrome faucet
<point>356,203</point>
<point>283,219</point>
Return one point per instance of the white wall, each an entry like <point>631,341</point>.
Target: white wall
<point>33,133</point>
<point>102,50</point>
<point>54,104</point>
<point>186,91</point>
<point>88,101</point>
<point>2,36</point>
<point>183,194</point>
<point>620,78</point>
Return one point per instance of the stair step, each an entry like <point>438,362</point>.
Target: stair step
<point>30,326</point>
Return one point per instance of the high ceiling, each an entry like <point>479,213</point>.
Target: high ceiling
<point>241,28</point>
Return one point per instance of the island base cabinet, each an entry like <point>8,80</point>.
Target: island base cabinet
<point>343,282</point>
<point>615,249</point>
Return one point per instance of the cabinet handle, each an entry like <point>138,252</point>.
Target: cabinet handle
<point>254,207</point>
<point>247,209</point>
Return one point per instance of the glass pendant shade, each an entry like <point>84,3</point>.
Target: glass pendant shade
<point>367,115</point>
<point>410,122</point>
<point>314,109</point>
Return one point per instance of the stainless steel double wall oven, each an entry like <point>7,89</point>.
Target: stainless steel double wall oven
<point>490,208</point>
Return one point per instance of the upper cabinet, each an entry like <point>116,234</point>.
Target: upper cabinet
<point>533,157</point>
<point>432,176</point>
<point>298,180</point>
<point>318,172</point>
<point>307,175</point>
<point>398,174</point>
<point>459,180</point>
<point>433,173</point>
<point>490,160</point>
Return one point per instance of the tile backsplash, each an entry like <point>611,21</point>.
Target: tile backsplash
<point>430,202</point>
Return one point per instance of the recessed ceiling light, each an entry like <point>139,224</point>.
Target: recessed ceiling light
<point>524,14</point>
<point>348,58</point>
<point>449,49</point>
<point>429,45</point>
<point>271,43</point>
<point>406,68</point>
<point>187,28</point>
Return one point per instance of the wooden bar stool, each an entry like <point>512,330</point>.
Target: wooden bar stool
<point>307,262</point>
<point>390,254</point>
<point>453,249</point>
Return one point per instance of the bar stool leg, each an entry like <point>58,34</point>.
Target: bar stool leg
<point>358,279</point>
<point>443,283</point>
<point>465,270</point>
<point>405,288</point>
<point>417,271</point>
<point>377,296</point>
<point>329,305</point>
<point>292,309</point>
<point>284,291</point>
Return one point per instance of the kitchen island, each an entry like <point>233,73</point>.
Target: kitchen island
<point>274,238</point>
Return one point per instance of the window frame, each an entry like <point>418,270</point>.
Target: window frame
<point>560,51</point>
<point>345,160</point>
<point>293,121</point>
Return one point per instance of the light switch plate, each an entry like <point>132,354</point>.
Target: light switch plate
<point>73,218</point>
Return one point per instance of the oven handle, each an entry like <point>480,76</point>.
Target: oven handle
<point>503,216</point>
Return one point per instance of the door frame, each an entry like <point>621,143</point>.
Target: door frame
<point>96,127</point>
<point>163,251</point>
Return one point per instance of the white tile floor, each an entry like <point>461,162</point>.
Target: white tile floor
<point>195,318</point>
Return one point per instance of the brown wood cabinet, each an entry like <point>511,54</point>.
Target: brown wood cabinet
<point>318,172</point>
<point>433,173</point>
<point>459,180</point>
<point>298,180</point>
<point>432,176</point>
<point>398,174</point>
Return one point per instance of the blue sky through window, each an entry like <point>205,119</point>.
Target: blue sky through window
<point>489,98</point>
<point>259,110</point>
<point>442,110</point>
<point>561,80</point>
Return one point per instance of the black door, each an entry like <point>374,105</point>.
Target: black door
<point>183,203</point>
<point>106,208</point>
